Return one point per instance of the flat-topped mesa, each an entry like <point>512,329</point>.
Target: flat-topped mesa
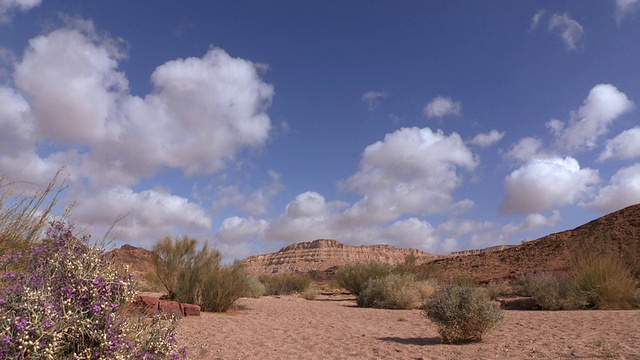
<point>322,254</point>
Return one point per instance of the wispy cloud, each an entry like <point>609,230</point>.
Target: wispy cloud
<point>571,32</point>
<point>373,98</point>
<point>626,8</point>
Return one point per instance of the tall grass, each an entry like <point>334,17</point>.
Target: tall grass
<point>23,217</point>
<point>604,281</point>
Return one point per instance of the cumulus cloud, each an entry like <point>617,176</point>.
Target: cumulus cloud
<point>148,215</point>
<point>543,184</point>
<point>625,8</point>
<point>442,106</point>
<point>373,98</point>
<point>570,31</point>
<point>624,146</point>
<point>69,94</point>
<point>623,190</point>
<point>603,105</point>
<point>484,140</point>
<point>8,7</point>
<point>525,149</point>
<point>412,171</point>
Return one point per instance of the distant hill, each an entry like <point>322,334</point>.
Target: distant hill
<point>617,233</point>
<point>323,254</point>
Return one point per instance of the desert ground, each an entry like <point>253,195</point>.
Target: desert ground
<point>290,327</point>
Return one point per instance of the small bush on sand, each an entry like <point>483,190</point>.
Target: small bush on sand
<point>604,282</point>
<point>394,291</point>
<point>222,286</point>
<point>352,277</point>
<point>196,276</point>
<point>462,313</point>
<point>496,289</point>
<point>255,288</point>
<point>69,302</point>
<point>551,291</point>
<point>284,284</point>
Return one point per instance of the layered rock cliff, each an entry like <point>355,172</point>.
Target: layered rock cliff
<point>322,254</point>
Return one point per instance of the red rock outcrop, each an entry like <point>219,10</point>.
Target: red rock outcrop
<point>322,254</point>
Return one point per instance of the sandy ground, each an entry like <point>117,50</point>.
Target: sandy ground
<point>290,327</point>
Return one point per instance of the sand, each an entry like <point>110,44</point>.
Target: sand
<point>290,327</point>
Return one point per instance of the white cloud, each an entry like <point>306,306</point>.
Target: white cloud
<point>412,171</point>
<point>484,140</point>
<point>373,98</point>
<point>7,7</point>
<point>149,214</point>
<point>543,184</point>
<point>201,113</point>
<point>624,146</point>
<point>540,221</point>
<point>70,95</point>
<point>625,8</point>
<point>537,18</point>
<point>73,86</point>
<point>442,106</point>
<point>254,202</point>
<point>602,106</point>
<point>413,233</point>
<point>623,190</point>
<point>16,127</point>
<point>570,30</point>
<point>525,149</point>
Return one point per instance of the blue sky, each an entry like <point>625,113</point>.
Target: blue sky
<point>439,125</point>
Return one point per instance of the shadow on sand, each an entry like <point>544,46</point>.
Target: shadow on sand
<point>413,341</point>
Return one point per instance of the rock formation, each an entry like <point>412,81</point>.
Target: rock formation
<point>617,233</point>
<point>323,254</point>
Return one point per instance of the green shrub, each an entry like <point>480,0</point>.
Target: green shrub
<point>605,281</point>
<point>551,291</point>
<point>255,288</point>
<point>462,313</point>
<point>394,291</point>
<point>222,286</point>
<point>196,276</point>
<point>496,289</point>
<point>284,284</point>
<point>311,293</point>
<point>352,277</point>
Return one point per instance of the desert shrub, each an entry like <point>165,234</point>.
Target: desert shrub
<point>196,276</point>
<point>551,291</point>
<point>495,289</point>
<point>311,293</point>
<point>284,284</point>
<point>605,281</point>
<point>352,277</point>
<point>68,302</point>
<point>462,313</point>
<point>394,291</point>
<point>222,286</point>
<point>255,288</point>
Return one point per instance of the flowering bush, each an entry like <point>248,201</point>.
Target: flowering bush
<point>69,303</point>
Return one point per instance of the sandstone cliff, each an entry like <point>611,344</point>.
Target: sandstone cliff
<point>323,254</point>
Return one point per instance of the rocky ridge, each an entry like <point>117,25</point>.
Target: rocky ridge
<point>324,254</point>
